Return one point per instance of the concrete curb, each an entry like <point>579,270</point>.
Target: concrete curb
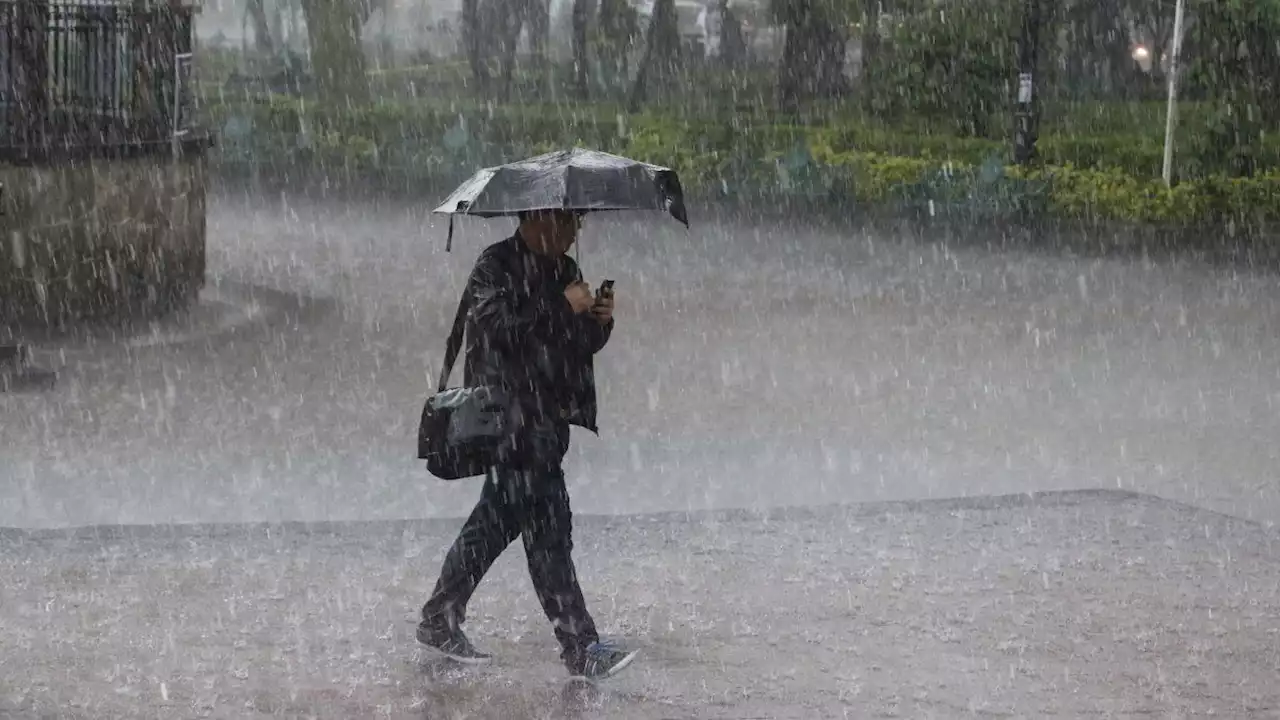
<point>860,510</point>
<point>17,374</point>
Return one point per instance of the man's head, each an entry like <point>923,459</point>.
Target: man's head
<point>550,232</point>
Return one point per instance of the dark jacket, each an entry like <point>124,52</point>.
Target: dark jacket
<point>523,336</point>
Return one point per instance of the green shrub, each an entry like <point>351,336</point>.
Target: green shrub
<point>1114,177</point>
<point>1113,195</point>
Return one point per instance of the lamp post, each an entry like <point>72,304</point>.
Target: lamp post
<point>1027,108</point>
<point>1171,114</point>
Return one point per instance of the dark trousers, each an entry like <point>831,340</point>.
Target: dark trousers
<point>526,499</point>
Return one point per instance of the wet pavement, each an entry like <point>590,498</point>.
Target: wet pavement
<point>1062,605</point>
<point>756,364</point>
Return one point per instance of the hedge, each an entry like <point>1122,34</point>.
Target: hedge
<point>1114,177</point>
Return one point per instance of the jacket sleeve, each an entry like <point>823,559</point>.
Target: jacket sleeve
<point>502,314</point>
<point>591,336</point>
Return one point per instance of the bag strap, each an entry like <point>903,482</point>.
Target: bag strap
<point>455,340</point>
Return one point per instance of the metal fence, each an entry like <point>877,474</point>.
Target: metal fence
<point>87,76</point>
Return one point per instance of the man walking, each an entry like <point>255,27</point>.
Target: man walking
<point>533,329</point>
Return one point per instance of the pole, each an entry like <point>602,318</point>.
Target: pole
<point>1171,115</point>
<point>30,74</point>
<point>1027,108</point>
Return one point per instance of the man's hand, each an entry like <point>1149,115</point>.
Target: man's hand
<point>602,310</point>
<point>579,296</point>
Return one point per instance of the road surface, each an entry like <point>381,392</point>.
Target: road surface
<point>1069,605</point>
<point>754,365</point>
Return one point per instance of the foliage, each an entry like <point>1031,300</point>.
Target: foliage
<point>952,61</point>
<point>338,62</point>
<point>615,37</point>
<point>1111,194</point>
<point>1239,64</point>
<point>1100,177</point>
<point>801,12</point>
<point>813,56</point>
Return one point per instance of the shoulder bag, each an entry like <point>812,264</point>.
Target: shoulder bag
<point>461,427</point>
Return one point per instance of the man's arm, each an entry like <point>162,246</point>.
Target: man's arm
<point>592,334</point>
<point>496,309</point>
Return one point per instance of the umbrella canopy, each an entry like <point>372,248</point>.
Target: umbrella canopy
<point>577,179</point>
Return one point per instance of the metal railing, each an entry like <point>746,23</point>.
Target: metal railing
<point>87,76</point>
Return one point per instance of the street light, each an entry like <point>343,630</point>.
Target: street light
<point>1172,113</point>
<point>1026,112</point>
<point>1142,56</point>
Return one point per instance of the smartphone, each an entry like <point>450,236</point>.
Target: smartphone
<point>606,288</point>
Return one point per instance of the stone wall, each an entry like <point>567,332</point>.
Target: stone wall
<point>101,238</point>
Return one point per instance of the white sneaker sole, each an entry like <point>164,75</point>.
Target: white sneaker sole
<point>464,660</point>
<point>622,665</point>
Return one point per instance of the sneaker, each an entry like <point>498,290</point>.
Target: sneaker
<point>453,643</point>
<point>602,660</point>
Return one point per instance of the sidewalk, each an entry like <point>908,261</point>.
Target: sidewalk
<point>1058,605</point>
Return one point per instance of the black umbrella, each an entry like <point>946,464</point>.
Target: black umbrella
<point>577,179</point>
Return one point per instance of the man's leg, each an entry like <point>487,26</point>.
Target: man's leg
<point>492,526</point>
<point>547,529</point>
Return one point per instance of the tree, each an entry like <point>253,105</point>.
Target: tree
<point>813,55</point>
<point>733,45</point>
<point>1097,55</point>
<point>581,54</point>
<point>662,60</point>
<point>870,49</point>
<point>953,61</point>
<point>256,12</point>
<point>473,32</point>
<point>617,31</point>
<point>539,19</point>
<point>1238,64</point>
<point>337,59</point>
<point>515,16</point>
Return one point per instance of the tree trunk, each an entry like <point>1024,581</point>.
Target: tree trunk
<point>831,53</point>
<point>473,41</point>
<point>509,22</point>
<point>581,68</point>
<point>1116,48</point>
<point>262,38</point>
<point>792,70</point>
<point>539,21</point>
<point>615,38</point>
<point>661,62</point>
<point>733,47</point>
<point>812,58</point>
<point>337,59</point>
<point>29,65</point>
<point>870,51</point>
<point>1078,77</point>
